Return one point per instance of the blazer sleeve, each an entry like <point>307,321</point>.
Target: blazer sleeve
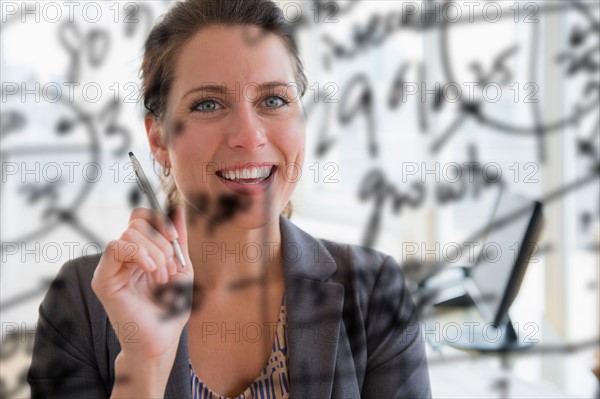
<point>63,362</point>
<point>396,362</point>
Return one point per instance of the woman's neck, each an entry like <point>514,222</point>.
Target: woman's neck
<point>225,257</point>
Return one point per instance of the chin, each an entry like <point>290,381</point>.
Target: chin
<point>246,217</point>
<point>253,218</point>
<point>234,211</point>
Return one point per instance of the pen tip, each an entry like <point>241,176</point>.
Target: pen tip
<point>130,153</point>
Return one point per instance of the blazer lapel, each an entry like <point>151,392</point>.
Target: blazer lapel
<point>314,312</point>
<point>178,385</point>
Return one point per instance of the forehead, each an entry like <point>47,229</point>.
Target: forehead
<point>231,54</point>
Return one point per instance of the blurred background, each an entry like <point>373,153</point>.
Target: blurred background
<point>422,116</point>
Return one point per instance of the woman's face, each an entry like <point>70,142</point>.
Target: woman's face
<point>234,124</point>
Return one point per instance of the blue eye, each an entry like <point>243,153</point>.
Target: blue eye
<point>206,106</point>
<point>275,102</point>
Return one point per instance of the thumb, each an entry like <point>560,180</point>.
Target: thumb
<point>177,216</point>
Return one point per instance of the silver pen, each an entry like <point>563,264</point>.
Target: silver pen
<point>147,189</point>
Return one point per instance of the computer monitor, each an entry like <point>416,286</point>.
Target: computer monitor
<point>494,281</point>
<point>444,286</point>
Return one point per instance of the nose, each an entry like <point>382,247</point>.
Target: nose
<point>246,130</point>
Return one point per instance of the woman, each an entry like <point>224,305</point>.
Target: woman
<point>275,312</point>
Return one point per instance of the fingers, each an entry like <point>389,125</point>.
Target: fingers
<point>117,255</point>
<point>153,245</point>
<point>161,223</point>
<point>146,243</point>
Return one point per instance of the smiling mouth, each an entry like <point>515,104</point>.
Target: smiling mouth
<point>250,175</point>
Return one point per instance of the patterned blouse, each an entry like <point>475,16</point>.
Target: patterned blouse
<point>272,383</point>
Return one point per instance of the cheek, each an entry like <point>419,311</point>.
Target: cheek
<point>291,137</point>
<point>191,154</point>
<point>195,142</point>
<point>300,143</point>
<point>293,147</point>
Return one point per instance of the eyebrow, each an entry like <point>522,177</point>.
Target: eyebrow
<point>222,89</point>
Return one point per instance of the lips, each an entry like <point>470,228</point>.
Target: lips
<point>249,178</point>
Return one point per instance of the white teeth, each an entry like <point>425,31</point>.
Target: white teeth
<point>254,172</point>
<point>229,175</point>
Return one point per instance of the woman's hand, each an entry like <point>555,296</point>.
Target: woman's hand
<point>131,271</point>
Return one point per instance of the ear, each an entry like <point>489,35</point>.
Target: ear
<point>153,130</point>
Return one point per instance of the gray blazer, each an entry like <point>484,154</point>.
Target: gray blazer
<point>352,329</point>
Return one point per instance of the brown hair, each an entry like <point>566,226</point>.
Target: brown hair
<point>179,25</point>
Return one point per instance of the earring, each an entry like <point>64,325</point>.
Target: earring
<point>166,171</point>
